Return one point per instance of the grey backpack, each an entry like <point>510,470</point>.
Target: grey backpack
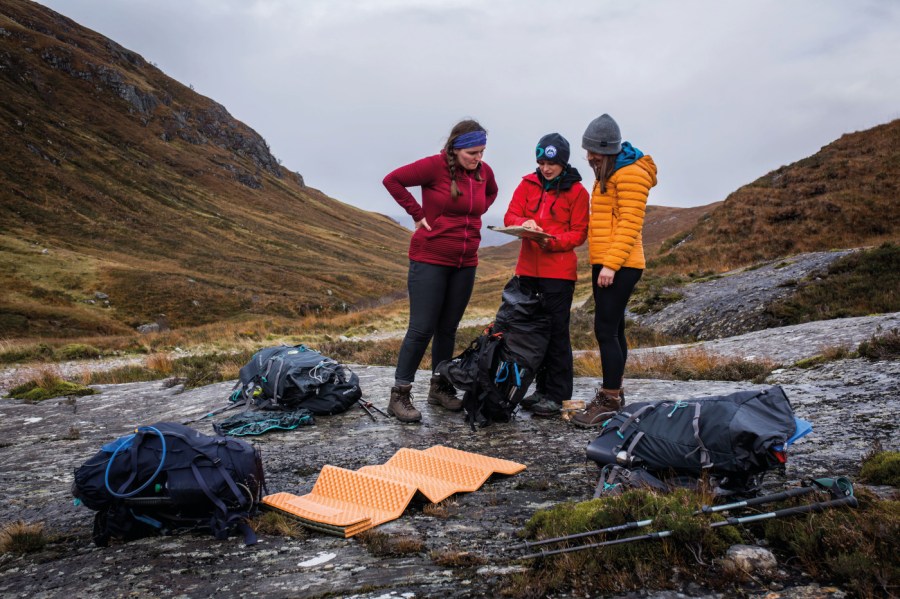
<point>733,437</point>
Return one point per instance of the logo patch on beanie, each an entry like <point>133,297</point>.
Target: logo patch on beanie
<point>550,152</point>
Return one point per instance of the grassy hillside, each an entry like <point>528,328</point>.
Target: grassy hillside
<point>116,179</point>
<point>845,195</point>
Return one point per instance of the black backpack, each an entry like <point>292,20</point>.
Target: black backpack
<point>166,478</point>
<point>291,377</point>
<point>493,380</point>
<point>497,368</point>
<point>733,438</point>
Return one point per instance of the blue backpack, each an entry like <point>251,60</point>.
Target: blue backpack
<point>167,478</point>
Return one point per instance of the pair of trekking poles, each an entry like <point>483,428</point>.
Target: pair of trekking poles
<point>841,490</point>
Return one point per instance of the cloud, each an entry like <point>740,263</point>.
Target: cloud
<point>718,92</point>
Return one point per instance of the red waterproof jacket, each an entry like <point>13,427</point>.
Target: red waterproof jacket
<point>455,223</point>
<point>562,212</point>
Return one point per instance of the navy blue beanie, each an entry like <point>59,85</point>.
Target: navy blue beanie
<point>553,147</point>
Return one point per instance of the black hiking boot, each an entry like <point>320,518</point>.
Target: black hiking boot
<point>546,408</point>
<point>604,405</point>
<point>400,405</point>
<point>443,393</point>
<point>529,402</point>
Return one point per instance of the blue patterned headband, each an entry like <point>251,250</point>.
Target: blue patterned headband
<point>470,140</point>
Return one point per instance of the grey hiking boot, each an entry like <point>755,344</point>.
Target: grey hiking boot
<point>401,406</point>
<point>604,405</point>
<point>528,402</point>
<point>443,393</point>
<point>546,408</point>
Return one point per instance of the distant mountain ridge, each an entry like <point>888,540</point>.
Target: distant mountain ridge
<point>117,179</point>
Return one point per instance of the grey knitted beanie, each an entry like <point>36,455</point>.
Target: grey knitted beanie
<point>602,136</point>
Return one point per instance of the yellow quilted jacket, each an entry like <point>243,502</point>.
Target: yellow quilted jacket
<point>617,216</point>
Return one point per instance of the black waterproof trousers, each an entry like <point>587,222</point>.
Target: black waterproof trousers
<point>554,377</point>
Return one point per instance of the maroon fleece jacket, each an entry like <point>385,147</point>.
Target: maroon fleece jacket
<point>455,223</point>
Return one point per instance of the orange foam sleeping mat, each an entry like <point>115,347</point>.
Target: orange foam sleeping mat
<point>347,502</point>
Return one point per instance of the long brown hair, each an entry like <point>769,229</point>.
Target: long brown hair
<point>460,128</point>
<point>604,166</point>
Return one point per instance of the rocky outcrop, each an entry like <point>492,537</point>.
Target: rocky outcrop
<point>736,301</point>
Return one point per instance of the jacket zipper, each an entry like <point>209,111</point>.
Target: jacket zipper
<point>466,231</point>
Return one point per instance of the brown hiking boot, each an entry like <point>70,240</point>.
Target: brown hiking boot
<point>401,406</point>
<point>443,393</point>
<point>605,404</point>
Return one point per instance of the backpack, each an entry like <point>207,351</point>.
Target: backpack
<point>167,477</point>
<point>493,380</point>
<point>497,368</point>
<point>291,377</point>
<point>733,438</point>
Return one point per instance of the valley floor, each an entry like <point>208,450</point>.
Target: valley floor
<point>851,404</point>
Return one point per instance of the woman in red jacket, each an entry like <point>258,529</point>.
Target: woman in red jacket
<point>457,188</point>
<point>551,200</point>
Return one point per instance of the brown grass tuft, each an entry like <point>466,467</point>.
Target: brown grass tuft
<point>278,524</point>
<point>456,559</point>
<point>443,509</point>
<point>161,363</point>
<point>21,537</point>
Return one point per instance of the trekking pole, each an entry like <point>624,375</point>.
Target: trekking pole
<point>368,406</point>
<point>837,487</point>
<point>848,499</point>
<point>590,533</point>
<point>797,492</point>
<point>791,511</point>
<point>653,535</point>
<point>214,413</point>
<point>822,483</point>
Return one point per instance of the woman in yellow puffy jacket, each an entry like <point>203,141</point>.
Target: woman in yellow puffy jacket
<point>624,176</point>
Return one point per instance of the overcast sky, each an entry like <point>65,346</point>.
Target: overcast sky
<point>718,92</point>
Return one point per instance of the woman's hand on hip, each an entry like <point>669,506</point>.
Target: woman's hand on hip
<point>605,278</point>
<point>423,223</point>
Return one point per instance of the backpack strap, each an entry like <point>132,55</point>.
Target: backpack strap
<point>220,524</point>
<point>705,461</point>
<point>632,418</point>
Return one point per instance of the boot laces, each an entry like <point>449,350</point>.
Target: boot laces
<point>406,400</point>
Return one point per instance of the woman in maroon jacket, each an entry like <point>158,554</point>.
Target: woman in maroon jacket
<point>551,200</point>
<point>457,188</point>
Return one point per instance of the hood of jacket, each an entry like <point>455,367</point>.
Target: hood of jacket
<point>628,155</point>
<point>569,177</point>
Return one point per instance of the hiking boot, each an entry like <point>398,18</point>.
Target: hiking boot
<point>401,406</point>
<point>546,408</point>
<point>604,405</point>
<point>443,393</point>
<point>528,402</point>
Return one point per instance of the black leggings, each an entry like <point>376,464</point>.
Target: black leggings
<point>609,322</point>
<point>438,296</point>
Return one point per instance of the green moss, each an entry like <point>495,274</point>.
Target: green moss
<point>78,351</point>
<point>33,392</point>
<point>855,548</point>
<point>627,566</point>
<point>882,468</point>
